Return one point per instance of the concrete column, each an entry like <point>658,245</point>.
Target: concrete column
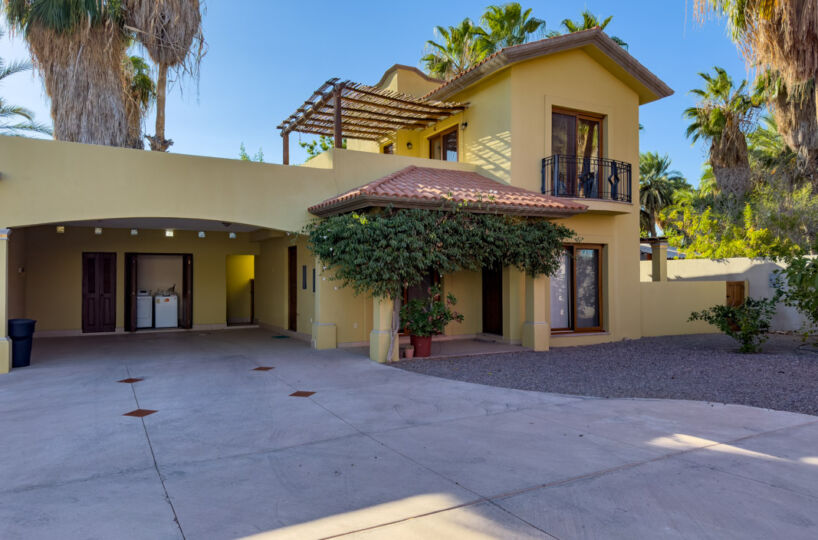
<point>5,345</point>
<point>324,330</point>
<point>658,260</point>
<point>513,304</point>
<point>381,330</point>
<point>536,329</point>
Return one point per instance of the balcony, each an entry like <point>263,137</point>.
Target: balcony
<point>581,177</point>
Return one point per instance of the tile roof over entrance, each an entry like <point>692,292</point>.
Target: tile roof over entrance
<point>427,187</point>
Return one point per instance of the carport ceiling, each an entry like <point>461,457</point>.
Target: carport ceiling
<point>177,224</point>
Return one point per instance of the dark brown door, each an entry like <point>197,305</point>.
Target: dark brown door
<point>493,301</point>
<point>187,292</point>
<point>98,292</point>
<point>292,288</point>
<point>735,293</point>
<point>130,292</point>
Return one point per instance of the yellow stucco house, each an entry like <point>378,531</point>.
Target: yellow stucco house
<point>550,127</point>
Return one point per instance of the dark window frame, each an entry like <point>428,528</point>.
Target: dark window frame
<point>388,148</point>
<point>600,248</point>
<point>439,136</point>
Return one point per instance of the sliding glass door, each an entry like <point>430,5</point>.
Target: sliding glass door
<point>576,290</point>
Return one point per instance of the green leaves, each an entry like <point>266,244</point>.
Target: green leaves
<point>429,316</point>
<point>748,323</point>
<point>381,252</point>
<point>798,286</point>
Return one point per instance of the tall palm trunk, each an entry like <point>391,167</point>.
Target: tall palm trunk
<point>652,214</point>
<point>158,141</point>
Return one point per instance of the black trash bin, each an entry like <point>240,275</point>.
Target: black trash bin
<point>21,332</point>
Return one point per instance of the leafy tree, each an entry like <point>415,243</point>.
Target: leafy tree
<point>382,252</point>
<point>15,120</point>
<point>657,186</point>
<point>587,21</point>
<point>320,145</point>
<point>509,25</point>
<point>460,48</point>
<point>798,286</point>
<point>141,95</point>
<point>244,156</point>
<point>171,32</point>
<point>722,117</point>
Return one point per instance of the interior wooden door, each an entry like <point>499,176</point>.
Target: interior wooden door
<point>98,292</point>
<point>493,301</point>
<point>292,288</point>
<point>186,320</point>
<point>130,292</point>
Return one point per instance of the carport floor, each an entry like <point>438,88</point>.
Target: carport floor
<point>327,443</point>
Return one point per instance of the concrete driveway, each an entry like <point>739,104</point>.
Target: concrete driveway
<point>375,452</point>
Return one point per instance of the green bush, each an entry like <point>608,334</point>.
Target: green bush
<point>797,285</point>
<point>748,323</point>
<point>429,316</point>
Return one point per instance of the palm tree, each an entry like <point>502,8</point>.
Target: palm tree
<point>767,147</point>
<point>657,185</point>
<point>141,96</point>
<point>509,25</point>
<point>78,48</point>
<point>780,39</point>
<point>15,120</point>
<point>462,47</point>
<point>722,117</point>
<point>588,21</point>
<point>171,32</point>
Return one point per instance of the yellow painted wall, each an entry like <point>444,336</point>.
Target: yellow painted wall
<point>54,270</point>
<point>271,282</point>
<point>467,288</point>
<point>239,270</point>
<point>17,275</point>
<point>666,305</point>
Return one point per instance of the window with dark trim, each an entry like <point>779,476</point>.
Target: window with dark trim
<point>313,280</point>
<point>576,290</point>
<point>443,145</point>
<point>388,148</point>
<point>304,277</point>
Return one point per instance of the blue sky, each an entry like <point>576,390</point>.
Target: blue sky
<point>266,59</point>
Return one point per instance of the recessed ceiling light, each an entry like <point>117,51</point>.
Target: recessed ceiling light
<point>134,232</point>
<point>202,234</point>
<point>169,233</point>
<point>98,230</point>
<point>60,229</point>
<point>232,235</point>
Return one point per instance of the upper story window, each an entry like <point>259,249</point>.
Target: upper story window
<point>444,145</point>
<point>576,134</point>
<point>388,148</point>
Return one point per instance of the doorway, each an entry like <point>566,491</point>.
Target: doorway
<point>292,288</point>
<point>154,283</point>
<point>98,292</point>
<point>240,275</point>
<point>493,301</point>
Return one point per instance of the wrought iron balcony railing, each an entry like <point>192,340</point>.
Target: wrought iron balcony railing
<point>584,177</point>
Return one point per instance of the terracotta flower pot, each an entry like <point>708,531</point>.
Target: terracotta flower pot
<point>422,345</point>
<point>409,352</point>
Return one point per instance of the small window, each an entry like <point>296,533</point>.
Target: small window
<point>444,145</point>
<point>576,290</point>
<point>388,149</point>
<point>313,280</point>
<point>304,277</point>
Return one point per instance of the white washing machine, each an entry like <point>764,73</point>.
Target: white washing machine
<point>144,310</point>
<point>166,311</point>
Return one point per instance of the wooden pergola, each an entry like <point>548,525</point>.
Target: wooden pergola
<point>346,109</point>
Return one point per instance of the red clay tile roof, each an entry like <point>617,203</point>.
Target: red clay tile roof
<point>426,187</point>
<point>654,88</point>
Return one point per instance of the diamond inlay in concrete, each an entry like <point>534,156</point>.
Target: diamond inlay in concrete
<point>130,380</point>
<point>301,393</point>
<point>263,368</point>
<point>139,413</point>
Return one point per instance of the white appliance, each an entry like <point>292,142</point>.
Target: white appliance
<point>144,310</point>
<point>166,310</point>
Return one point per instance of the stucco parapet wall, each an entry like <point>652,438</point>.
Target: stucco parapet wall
<point>45,182</point>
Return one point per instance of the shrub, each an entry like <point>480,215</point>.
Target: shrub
<point>748,323</point>
<point>797,285</point>
<point>429,317</point>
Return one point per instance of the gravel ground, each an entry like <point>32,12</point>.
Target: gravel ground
<point>700,367</point>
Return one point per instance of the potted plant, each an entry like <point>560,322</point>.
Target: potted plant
<point>424,318</point>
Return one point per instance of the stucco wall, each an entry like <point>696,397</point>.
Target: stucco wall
<point>756,272</point>
<point>240,269</point>
<point>666,305</point>
<point>53,262</point>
